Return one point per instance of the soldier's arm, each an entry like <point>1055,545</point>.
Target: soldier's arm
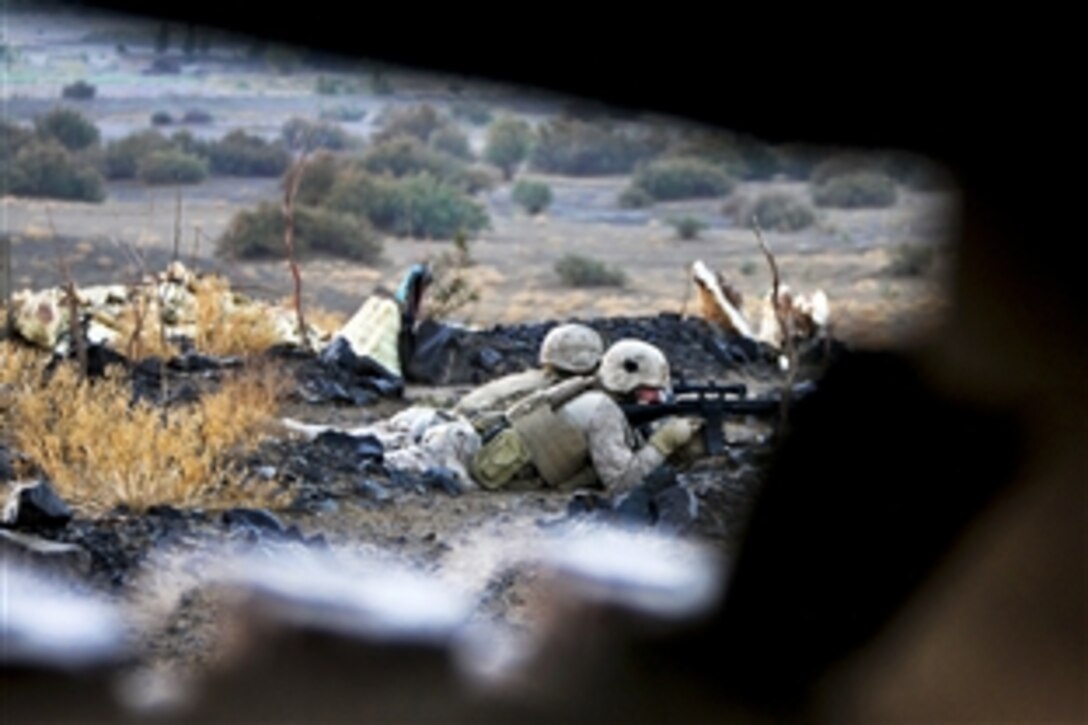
<point>620,458</point>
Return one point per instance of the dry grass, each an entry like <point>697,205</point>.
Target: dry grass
<point>100,449</point>
<point>226,328</point>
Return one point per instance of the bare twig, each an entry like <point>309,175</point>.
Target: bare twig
<point>294,177</point>
<point>784,315</point>
<point>75,327</point>
<point>177,226</point>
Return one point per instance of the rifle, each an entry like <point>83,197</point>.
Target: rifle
<point>713,403</point>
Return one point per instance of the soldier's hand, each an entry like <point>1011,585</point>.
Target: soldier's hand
<point>674,434</point>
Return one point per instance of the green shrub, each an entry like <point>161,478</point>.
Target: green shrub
<point>259,234</point>
<point>161,118</point>
<point>240,154</point>
<point>911,260</point>
<point>532,196</point>
<point>910,169</point>
<point>682,178</point>
<point>321,172</point>
<point>46,169</point>
<point>848,162</point>
<point>190,144</point>
<point>471,111</point>
<point>172,166</point>
<point>452,141</point>
<point>380,85</point>
<point>69,128</point>
<point>862,189</point>
<point>435,210</point>
<point>580,148</point>
<point>12,138</point>
<point>780,212</point>
<point>407,156</point>
<point>577,271</point>
<point>197,116</point>
<point>739,155</point>
<point>329,86</point>
<point>419,122</point>
<point>347,114</point>
<point>78,91</point>
<point>634,197</point>
<point>123,156</point>
<point>687,227</point>
<point>508,142</point>
<point>301,134</point>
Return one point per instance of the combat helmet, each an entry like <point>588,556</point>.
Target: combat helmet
<point>631,364</point>
<point>572,348</point>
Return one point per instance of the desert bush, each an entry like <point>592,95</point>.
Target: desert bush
<point>301,134</point>
<point>433,209</point>
<point>687,227</point>
<point>634,197</point>
<point>861,189</point>
<point>240,154</point>
<point>420,122</point>
<point>532,196</point>
<point>472,112</point>
<point>161,118</point>
<point>380,85</point>
<point>682,178</point>
<point>172,166</point>
<point>100,449</point>
<point>348,114</point>
<point>781,212</point>
<point>451,290</point>
<point>354,191</point>
<point>739,155</point>
<point>848,162</point>
<point>580,148</point>
<point>577,271</point>
<point>453,141</point>
<point>406,156</point>
<point>197,116</point>
<point>911,260</point>
<point>508,143</point>
<point>258,234</point>
<point>12,138</point>
<point>69,128</point>
<point>122,157</point>
<point>330,86</point>
<point>190,144</point>
<point>45,169</point>
<point>78,91</point>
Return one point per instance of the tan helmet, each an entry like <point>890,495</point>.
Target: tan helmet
<point>572,348</point>
<point>631,364</point>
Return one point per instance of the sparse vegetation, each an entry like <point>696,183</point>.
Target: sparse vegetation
<point>67,127</point>
<point>577,271</point>
<point>687,227</point>
<point>682,178</point>
<point>161,118</point>
<point>508,142</point>
<point>258,234</point>
<point>172,166</point>
<point>241,154</point>
<point>450,289</point>
<point>472,112</point>
<point>911,260</point>
<point>48,170</point>
<point>453,141</point>
<point>420,122</point>
<point>532,196</point>
<point>407,156</point>
<point>343,114</point>
<point>634,197</point>
<point>123,156</point>
<point>79,91</point>
<point>197,116</point>
<point>301,134</point>
<point>100,449</point>
<point>862,189</point>
<point>780,212</point>
<point>580,148</point>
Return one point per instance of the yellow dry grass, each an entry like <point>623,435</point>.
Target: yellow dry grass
<point>226,328</point>
<point>101,449</point>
